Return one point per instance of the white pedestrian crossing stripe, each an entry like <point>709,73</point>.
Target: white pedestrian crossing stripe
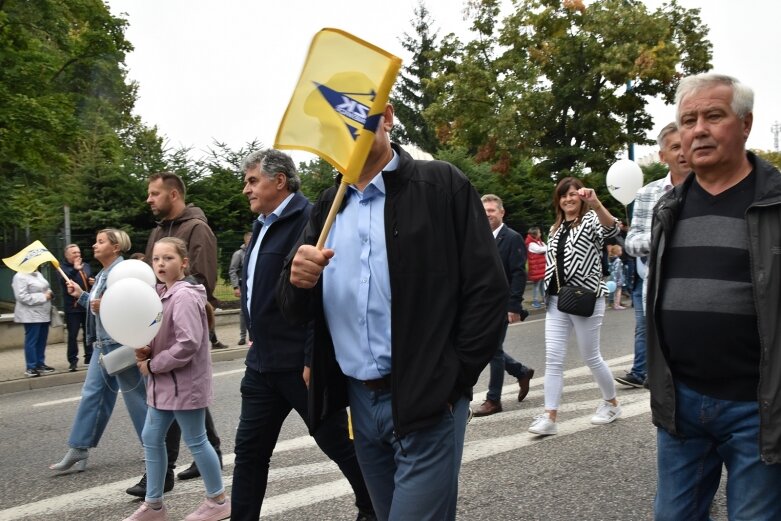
<point>574,417</point>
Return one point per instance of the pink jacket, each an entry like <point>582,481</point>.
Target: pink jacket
<point>181,362</point>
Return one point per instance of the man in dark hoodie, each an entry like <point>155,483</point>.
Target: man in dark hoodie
<point>166,193</point>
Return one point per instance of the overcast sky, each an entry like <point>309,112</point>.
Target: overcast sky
<point>226,70</point>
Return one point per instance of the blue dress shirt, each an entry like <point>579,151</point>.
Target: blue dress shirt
<point>356,284</point>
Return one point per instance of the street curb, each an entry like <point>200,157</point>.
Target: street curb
<point>24,383</point>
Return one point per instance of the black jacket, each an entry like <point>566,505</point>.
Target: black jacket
<point>277,345</point>
<point>71,304</point>
<point>763,231</point>
<point>512,252</point>
<point>448,296</point>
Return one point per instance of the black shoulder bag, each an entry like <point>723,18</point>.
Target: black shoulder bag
<point>574,300</point>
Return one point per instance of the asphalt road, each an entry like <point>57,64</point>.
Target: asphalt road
<point>583,473</point>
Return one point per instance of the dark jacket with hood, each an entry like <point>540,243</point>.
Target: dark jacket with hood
<point>763,230</point>
<point>192,227</point>
<point>448,296</point>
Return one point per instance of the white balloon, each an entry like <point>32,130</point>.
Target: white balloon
<point>623,180</point>
<point>611,286</point>
<point>131,312</point>
<point>134,269</point>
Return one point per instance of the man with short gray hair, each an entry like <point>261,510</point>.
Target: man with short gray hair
<point>638,240</point>
<point>273,382</point>
<point>75,318</point>
<point>714,295</point>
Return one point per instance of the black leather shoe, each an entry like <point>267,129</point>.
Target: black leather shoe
<point>242,341</point>
<point>139,489</point>
<point>190,472</point>
<point>366,515</point>
<point>523,383</point>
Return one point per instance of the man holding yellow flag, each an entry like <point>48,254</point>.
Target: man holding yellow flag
<point>408,299</point>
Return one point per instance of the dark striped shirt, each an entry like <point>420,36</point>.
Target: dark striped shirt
<point>708,319</point>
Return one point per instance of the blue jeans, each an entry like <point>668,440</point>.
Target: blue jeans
<point>193,425</point>
<point>638,367</point>
<point>713,432</point>
<point>266,400</point>
<point>413,477</point>
<point>500,363</point>
<point>35,336</point>
<point>98,396</point>
<point>538,291</point>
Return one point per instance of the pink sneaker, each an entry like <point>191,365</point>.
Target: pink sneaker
<point>147,513</point>
<point>210,510</point>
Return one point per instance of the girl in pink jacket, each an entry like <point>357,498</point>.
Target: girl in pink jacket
<point>179,386</point>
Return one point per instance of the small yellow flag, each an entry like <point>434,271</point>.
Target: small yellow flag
<point>28,260</point>
<point>339,100</point>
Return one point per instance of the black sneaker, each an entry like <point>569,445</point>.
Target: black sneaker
<point>630,380</point>
<point>190,472</point>
<point>139,489</point>
<point>32,373</point>
<point>45,369</point>
<point>219,345</point>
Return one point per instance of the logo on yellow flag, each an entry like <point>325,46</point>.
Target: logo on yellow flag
<point>28,260</point>
<point>339,100</point>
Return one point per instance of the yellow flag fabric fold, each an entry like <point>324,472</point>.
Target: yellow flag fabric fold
<point>28,260</point>
<point>339,99</point>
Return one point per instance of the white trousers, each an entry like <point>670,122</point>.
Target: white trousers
<point>558,327</point>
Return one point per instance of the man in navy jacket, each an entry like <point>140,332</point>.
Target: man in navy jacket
<point>273,384</point>
<point>512,251</point>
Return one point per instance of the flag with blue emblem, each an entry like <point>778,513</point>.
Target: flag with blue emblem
<point>28,260</point>
<point>339,100</point>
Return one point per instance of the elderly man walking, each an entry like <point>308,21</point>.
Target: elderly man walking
<point>714,337</point>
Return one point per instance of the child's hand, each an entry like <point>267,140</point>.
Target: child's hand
<point>142,353</point>
<point>143,367</point>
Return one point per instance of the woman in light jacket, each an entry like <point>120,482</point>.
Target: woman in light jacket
<point>574,258</point>
<point>33,308</point>
<point>99,393</point>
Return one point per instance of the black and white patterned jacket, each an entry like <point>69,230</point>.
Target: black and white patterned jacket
<point>582,253</point>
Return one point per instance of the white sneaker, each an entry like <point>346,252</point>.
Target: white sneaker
<point>606,413</point>
<point>543,425</point>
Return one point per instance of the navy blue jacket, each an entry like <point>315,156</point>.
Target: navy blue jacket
<point>512,251</point>
<point>277,345</point>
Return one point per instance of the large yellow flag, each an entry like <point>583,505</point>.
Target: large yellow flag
<point>339,99</point>
<point>28,260</point>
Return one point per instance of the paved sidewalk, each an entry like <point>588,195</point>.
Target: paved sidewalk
<point>12,365</point>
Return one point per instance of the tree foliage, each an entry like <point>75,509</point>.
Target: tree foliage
<point>550,82</point>
<point>411,95</point>
<point>772,157</point>
<point>64,100</point>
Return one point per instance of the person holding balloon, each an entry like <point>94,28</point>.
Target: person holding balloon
<point>573,258</point>
<point>177,363</point>
<point>99,392</point>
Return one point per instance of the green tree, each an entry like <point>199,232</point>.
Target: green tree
<point>65,115</point>
<point>412,93</point>
<point>551,81</point>
<point>316,176</point>
<point>772,157</point>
